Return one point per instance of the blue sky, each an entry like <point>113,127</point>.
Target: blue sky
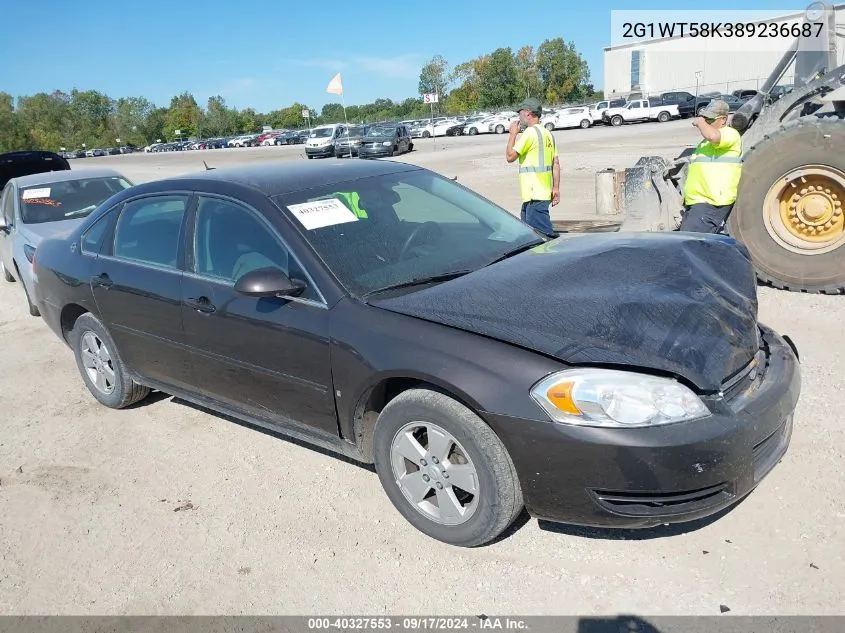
<point>267,54</point>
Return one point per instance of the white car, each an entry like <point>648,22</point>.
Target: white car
<point>500,123</point>
<point>640,110</point>
<point>568,118</point>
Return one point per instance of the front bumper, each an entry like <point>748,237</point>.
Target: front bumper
<point>327,150</point>
<point>374,152</point>
<point>635,478</point>
<point>346,150</point>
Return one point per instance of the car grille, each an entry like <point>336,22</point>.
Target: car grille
<point>646,504</point>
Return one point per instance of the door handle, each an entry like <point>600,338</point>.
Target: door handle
<point>200,304</point>
<point>102,280</point>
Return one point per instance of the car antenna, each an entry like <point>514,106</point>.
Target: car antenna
<point>207,168</point>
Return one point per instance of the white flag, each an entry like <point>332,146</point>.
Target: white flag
<point>335,85</point>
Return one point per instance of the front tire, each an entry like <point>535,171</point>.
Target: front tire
<point>616,121</point>
<point>101,367</point>
<point>444,469</point>
<point>6,274</point>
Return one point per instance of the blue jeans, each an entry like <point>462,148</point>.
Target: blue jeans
<point>535,213</point>
<point>704,218</point>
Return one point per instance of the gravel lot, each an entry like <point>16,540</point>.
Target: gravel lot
<point>166,509</point>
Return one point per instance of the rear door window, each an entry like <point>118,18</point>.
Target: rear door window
<point>148,230</point>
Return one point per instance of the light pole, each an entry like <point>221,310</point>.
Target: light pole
<point>698,74</point>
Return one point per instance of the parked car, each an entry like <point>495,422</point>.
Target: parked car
<point>597,109</point>
<point>385,140</point>
<point>640,110</point>
<point>43,205</point>
<point>321,140</point>
<point>568,118</point>
<point>693,107</point>
<point>349,142</point>
<point>389,314</point>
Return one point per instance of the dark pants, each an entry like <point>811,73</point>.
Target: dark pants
<point>535,213</point>
<point>704,218</point>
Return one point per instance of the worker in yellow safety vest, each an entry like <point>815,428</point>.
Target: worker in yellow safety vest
<point>539,168</point>
<point>713,173</point>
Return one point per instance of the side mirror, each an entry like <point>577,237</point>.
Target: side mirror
<point>268,282</point>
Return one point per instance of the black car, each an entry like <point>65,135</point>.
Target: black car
<point>391,315</point>
<point>696,105</point>
<point>386,140</point>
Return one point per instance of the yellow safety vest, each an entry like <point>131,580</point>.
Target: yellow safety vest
<point>535,167</point>
<point>713,173</point>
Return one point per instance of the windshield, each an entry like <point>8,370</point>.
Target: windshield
<point>392,229</point>
<point>322,132</point>
<point>69,199</point>
<point>381,131</point>
<point>353,131</point>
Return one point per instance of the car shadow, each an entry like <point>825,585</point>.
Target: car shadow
<point>279,435</point>
<point>638,534</point>
<point>618,624</point>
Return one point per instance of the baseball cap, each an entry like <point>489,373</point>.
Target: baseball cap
<point>532,105</point>
<point>715,109</point>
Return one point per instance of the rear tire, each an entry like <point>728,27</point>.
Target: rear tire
<point>663,117</point>
<point>550,126</point>
<point>471,452</point>
<point>585,123</point>
<point>809,141</point>
<point>101,366</point>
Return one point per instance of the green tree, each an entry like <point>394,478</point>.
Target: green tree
<point>528,73</point>
<point>129,118</point>
<point>331,113</point>
<point>499,80</point>
<point>219,119</point>
<point>13,137</point>
<point>185,115</point>
<point>563,72</point>
<point>434,76</point>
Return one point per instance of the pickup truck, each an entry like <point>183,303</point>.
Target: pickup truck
<point>597,109</point>
<point>640,110</point>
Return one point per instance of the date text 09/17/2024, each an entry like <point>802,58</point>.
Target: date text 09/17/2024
<point>720,29</point>
<point>417,623</point>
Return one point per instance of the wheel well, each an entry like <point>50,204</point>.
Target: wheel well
<point>70,313</point>
<point>372,403</point>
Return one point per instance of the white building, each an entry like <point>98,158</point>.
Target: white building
<point>667,64</point>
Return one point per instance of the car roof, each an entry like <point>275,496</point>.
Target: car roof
<point>66,175</point>
<point>280,177</point>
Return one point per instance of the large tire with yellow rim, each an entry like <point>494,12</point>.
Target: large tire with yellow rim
<point>789,209</point>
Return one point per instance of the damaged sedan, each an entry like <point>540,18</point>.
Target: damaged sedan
<point>391,315</point>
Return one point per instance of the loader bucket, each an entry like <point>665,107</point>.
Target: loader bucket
<point>644,197</point>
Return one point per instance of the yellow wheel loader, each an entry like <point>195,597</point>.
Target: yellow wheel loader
<point>788,212</point>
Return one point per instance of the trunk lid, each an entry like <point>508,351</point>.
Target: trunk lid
<point>17,164</point>
<point>679,303</point>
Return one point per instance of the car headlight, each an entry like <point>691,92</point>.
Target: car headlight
<point>613,398</point>
<point>386,143</point>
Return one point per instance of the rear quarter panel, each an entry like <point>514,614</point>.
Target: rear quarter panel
<point>63,276</point>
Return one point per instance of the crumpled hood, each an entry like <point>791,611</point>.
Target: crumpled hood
<point>674,302</point>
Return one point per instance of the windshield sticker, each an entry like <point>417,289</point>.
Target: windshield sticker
<point>320,213</point>
<point>30,194</point>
